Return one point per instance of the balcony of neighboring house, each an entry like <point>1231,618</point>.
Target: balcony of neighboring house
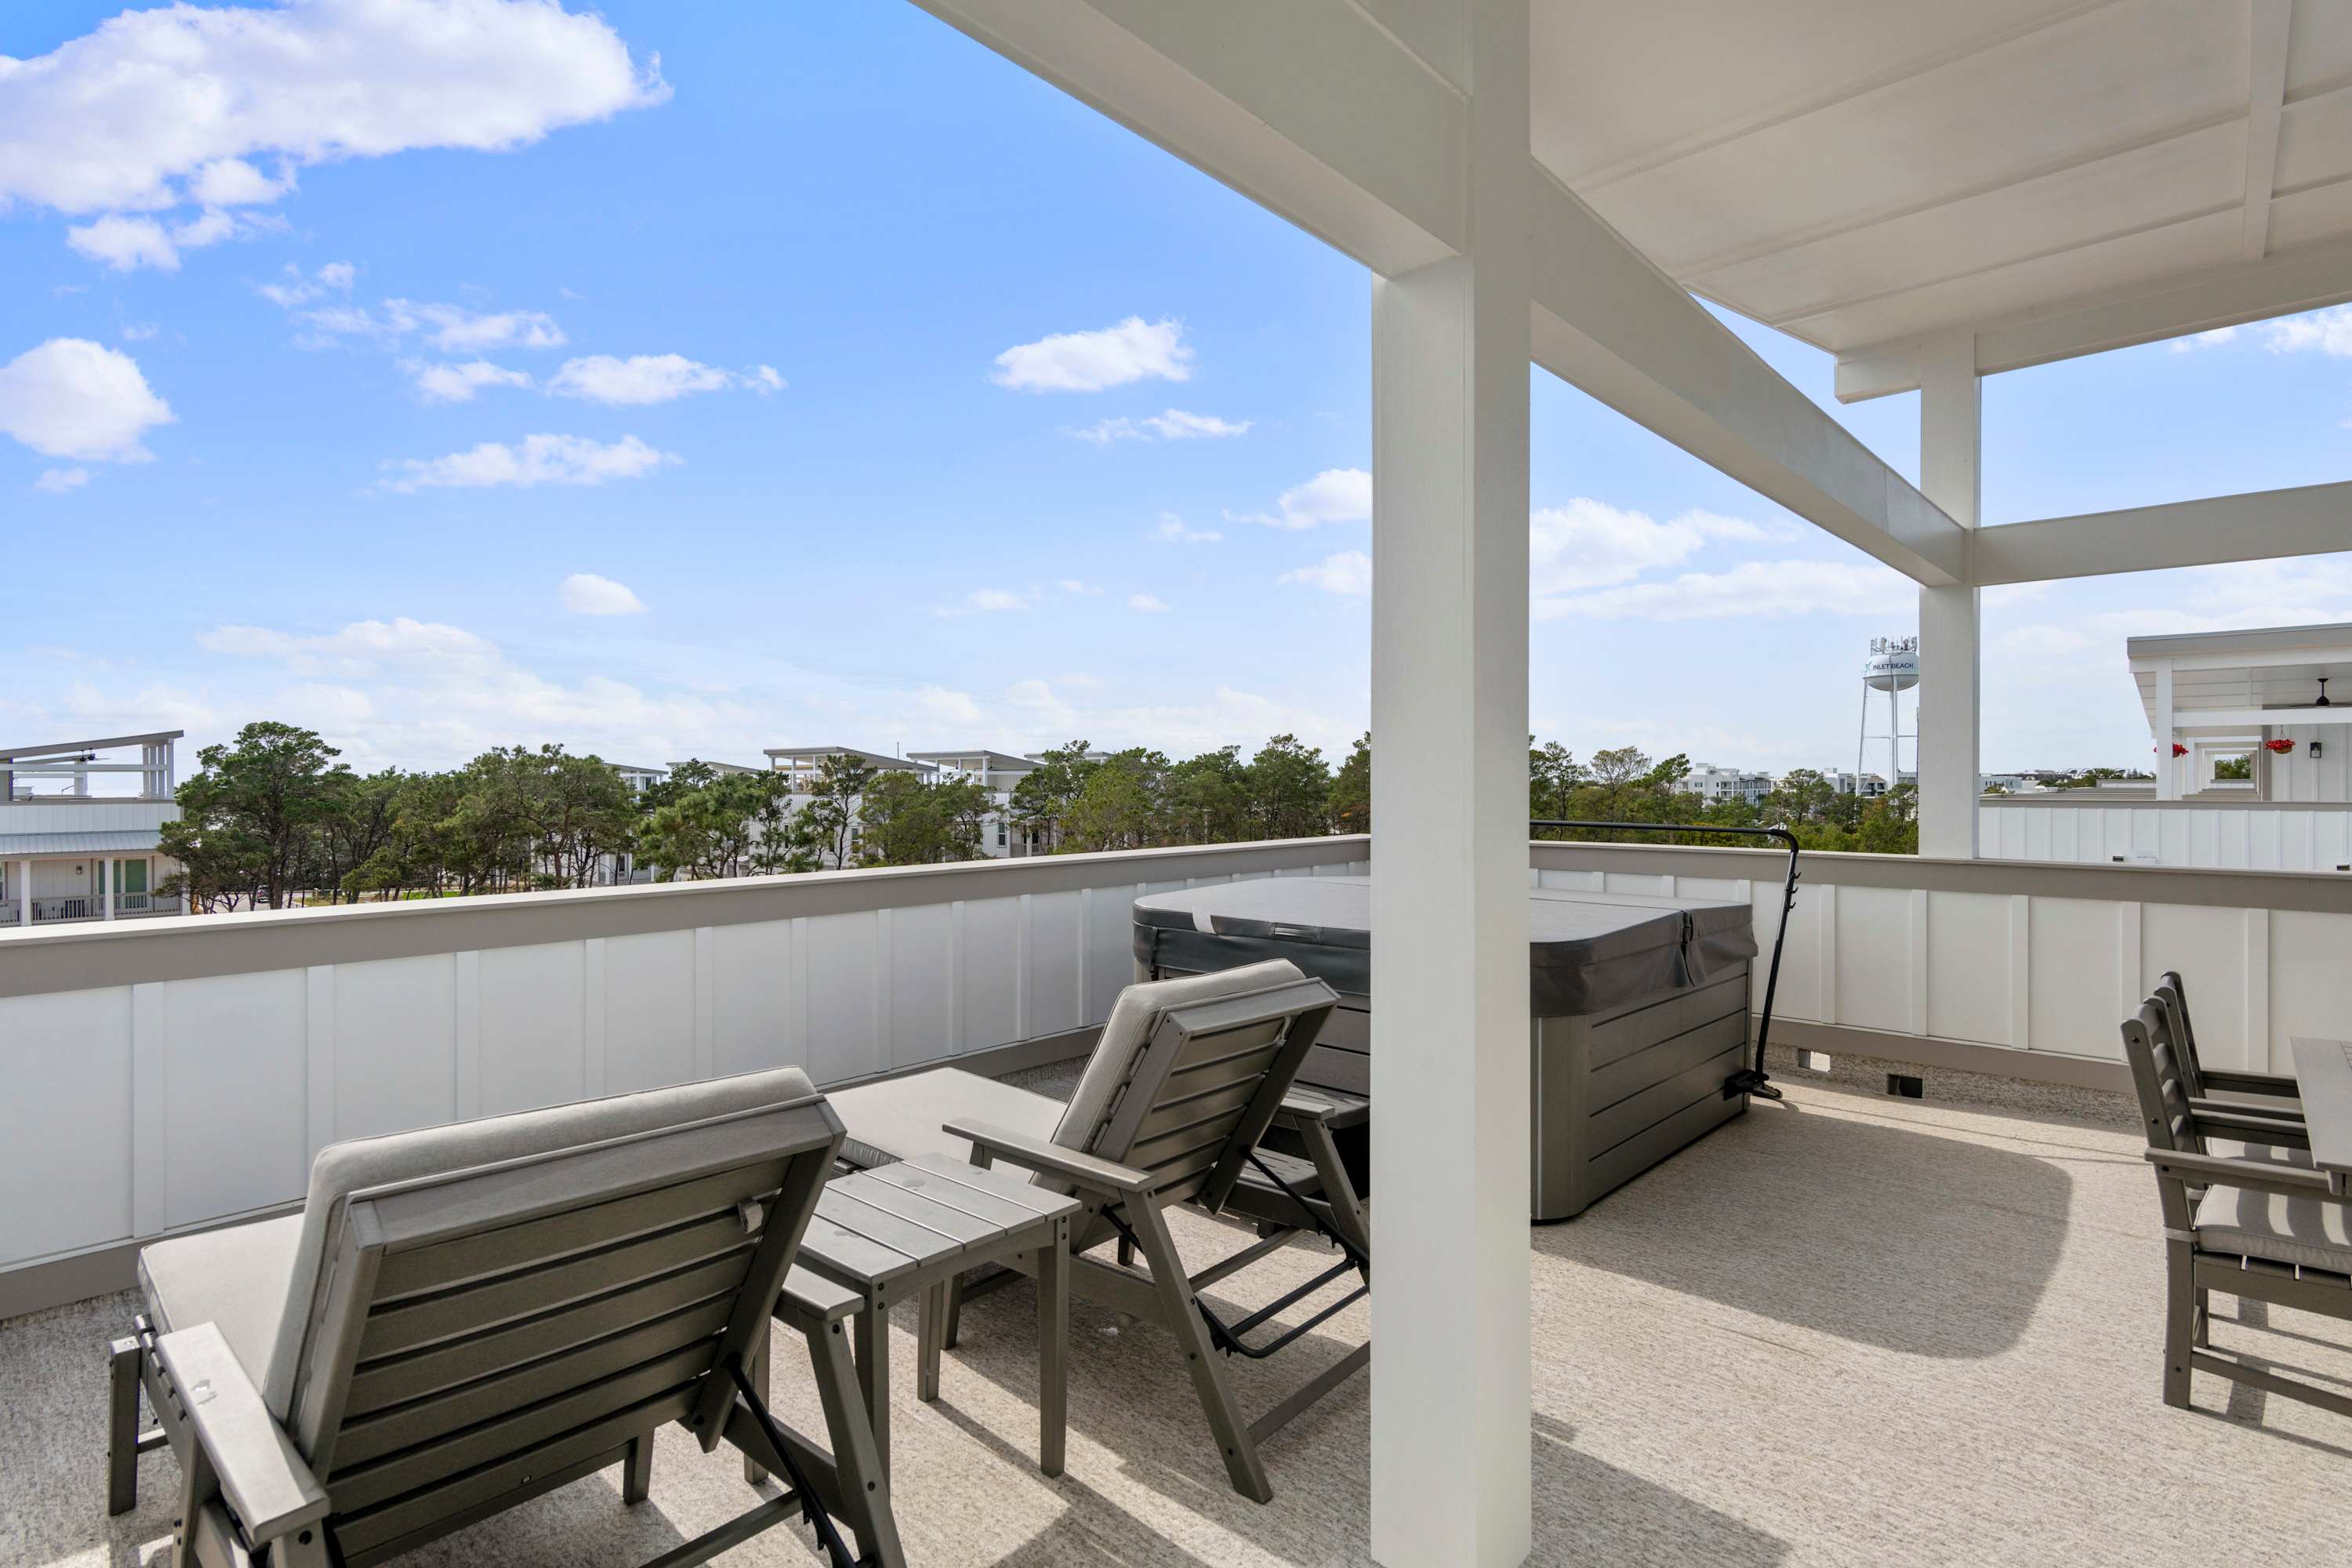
<point>80,830</point>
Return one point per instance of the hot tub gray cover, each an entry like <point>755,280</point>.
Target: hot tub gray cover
<point>1586,952</point>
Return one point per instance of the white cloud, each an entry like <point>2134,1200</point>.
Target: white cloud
<point>1335,495</point>
<point>2195,340</point>
<point>169,107</point>
<point>459,383</point>
<point>1171,530</point>
<point>1089,361</point>
<point>138,331</point>
<point>420,694</point>
<point>1591,545</point>
<point>58,482</point>
<point>1348,572</point>
<point>651,378</point>
<point>585,594</point>
<point>2328,331</point>
<point>234,183</point>
<point>127,243</point>
<point>1773,588</point>
<point>297,289</point>
<point>70,397</point>
<point>997,600</point>
<point>536,461</point>
<point>1171,425</point>
<point>1072,585</point>
<point>452,328</point>
<point>1145,603</point>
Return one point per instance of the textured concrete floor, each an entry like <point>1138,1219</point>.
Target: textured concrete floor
<point>1844,1329</point>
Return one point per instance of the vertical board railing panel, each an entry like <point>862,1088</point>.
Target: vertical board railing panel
<point>647,999</point>
<point>532,1035</point>
<point>66,1141</point>
<point>989,956</point>
<point>752,990</point>
<point>395,1046</point>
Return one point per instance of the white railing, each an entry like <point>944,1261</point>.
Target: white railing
<point>2001,966</point>
<point>162,1073</point>
<point>2092,827</point>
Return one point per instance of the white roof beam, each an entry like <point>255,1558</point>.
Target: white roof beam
<point>2304,279</point>
<point>1309,107</point>
<point>2267,32</point>
<point>2264,525</point>
<point>1609,321</point>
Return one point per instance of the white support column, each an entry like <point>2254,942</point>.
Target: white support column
<point>1450,1408</point>
<point>2168,766</point>
<point>1950,619</point>
<point>105,875</point>
<point>24,892</point>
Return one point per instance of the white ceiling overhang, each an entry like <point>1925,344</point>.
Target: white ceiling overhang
<point>2054,177</point>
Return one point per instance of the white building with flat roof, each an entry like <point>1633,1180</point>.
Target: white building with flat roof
<point>1715,784</point>
<point>79,827</point>
<point>2252,757</point>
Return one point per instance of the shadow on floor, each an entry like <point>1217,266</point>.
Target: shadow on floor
<point>1902,1237</point>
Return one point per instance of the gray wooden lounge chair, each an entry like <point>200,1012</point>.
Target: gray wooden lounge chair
<point>464,1316</point>
<point>2249,1227</point>
<point>2272,1095</point>
<point>1188,1076</point>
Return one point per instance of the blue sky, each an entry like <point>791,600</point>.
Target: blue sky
<point>672,381</point>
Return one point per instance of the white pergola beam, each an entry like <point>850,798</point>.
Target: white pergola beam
<point>1951,619</point>
<point>1309,107</point>
<point>1609,321</point>
<point>2257,718</point>
<point>2266,35</point>
<point>2305,279</point>
<point>2264,525</point>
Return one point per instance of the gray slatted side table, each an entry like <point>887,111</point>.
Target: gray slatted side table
<point>897,1232</point>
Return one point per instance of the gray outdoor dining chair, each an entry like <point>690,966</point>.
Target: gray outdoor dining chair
<point>2246,1227</point>
<point>1187,1078</point>
<point>2275,1095</point>
<point>464,1316</point>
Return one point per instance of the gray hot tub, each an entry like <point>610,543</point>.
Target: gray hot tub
<point>1638,1006</point>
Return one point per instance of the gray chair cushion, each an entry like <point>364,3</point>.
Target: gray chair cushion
<point>2302,1231</point>
<point>901,1116</point>
<point>1133,1017</point>
<point>342,1169</point>
<point>234,1279</point>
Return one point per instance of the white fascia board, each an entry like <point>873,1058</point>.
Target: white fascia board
<point>1609,321</point>
<point>2261,525</point>
<point>1309,107</point>
<point>2305,279</point>
<point>2256,717</point>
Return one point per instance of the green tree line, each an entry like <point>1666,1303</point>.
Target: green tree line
<point>274,818</point>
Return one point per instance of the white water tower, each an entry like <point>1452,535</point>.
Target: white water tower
<point>1892,668</point>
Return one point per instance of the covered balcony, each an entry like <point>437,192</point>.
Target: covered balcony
<point>1850,1327</point>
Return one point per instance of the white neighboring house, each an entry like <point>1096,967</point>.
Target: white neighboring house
<point>1000,772</point>
<point>804,763</point>
<point>73,843</point>
<point>2253,761</point>
<point>1872,785</point>
<point>1715,784</point>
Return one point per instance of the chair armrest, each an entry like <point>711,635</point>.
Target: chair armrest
<point>1052,1158</point>
<point>2283,1085</point>
<point>267,1484</point>
<point>2255,1176</point>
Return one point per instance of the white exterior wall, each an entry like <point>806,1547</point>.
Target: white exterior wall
<point>2299,777</point>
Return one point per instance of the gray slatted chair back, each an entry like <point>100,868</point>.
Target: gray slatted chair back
<point>2171,998</point>
<point>1207,1084</point>
<point>491,1334</point>
<point>2164,1104</point>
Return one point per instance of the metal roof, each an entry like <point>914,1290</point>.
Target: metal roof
<point>13,844</point>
